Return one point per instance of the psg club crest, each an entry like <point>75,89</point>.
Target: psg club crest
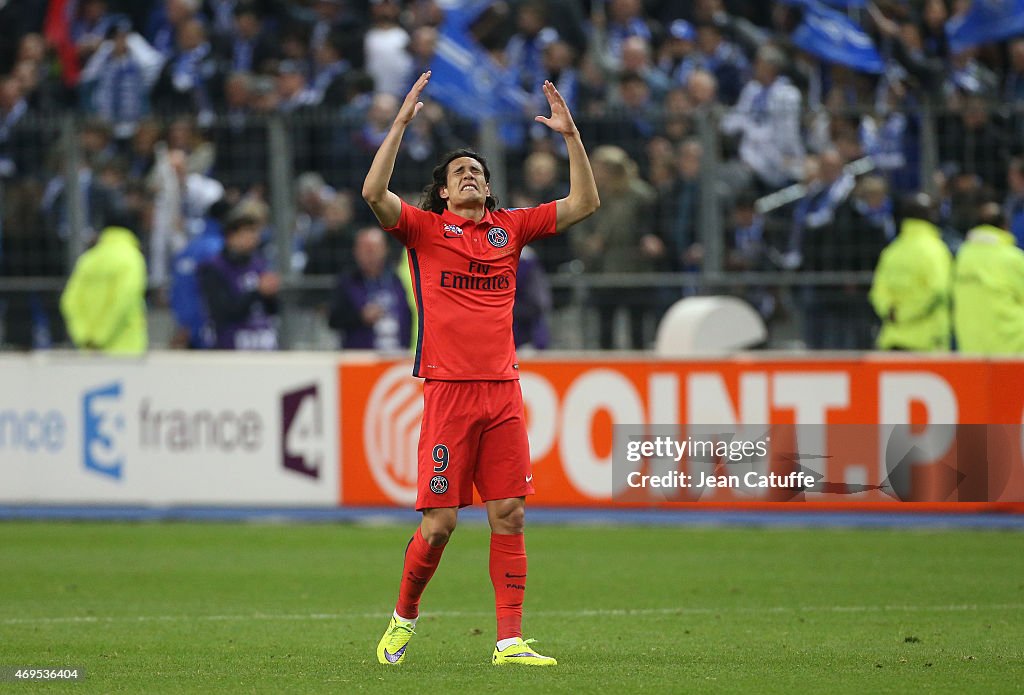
<point>439,485</point>
<point>497,237</point>
<point>452,231</point>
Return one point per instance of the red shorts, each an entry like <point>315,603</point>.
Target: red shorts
<point>473,433</point>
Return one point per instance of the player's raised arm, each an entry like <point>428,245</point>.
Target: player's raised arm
<point>583,199</point>
<point>386,205</point>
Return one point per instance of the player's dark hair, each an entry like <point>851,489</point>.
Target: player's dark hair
<point>431,198</point>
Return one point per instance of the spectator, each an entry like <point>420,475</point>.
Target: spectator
<point>637,59</point>
<point>97,150</point>
<point>166,21</point>
<point>386,46</point>
<point>240,291</point>
<point>311,197</point>
<point>330,70</point>
<point>974,142</point>
<point>524,51</point>
<point>369,304</point>
<point>889,137</point>
<point>185,84</point>
<point>247,47</point>
<point>616,240</point>
<point>678,210</point>
<point>541,183</point>
<point>221,15</point>
<point>746,246</point>
<point>702,88</point>
<point>1013,208</point>
<point>873,201</point>
<point>612,26</point>
<point>965,194</point>
<point>182,200</point>
<point>192,328</point>
<point>721,58</point>
<point>557,67</point>
<point>141,153</point>
<point>934,16</point>
<point>826,193</point>
<point>182,134</point>
<point>117,79</point>
<point>330,17</point>
<point>90,26</point>
<point>28,246</point>
<point>911,288</point>
<point>839,317</point>
<point>422,45</point>
<point>104,303</point>
<point>767,119</point>
<point>292,92</point>
<point>329,249</point>
<point>988,289</point>
<point>1013,81</point>
<point>359,144</point>
<point>532,304</point>
<point>34,68</point>
<point>675,51</point>
<point>16,151</point>
<point>632,120</point>
<point>968,75</point>
<point>239,137</point>
<point>677,110</point>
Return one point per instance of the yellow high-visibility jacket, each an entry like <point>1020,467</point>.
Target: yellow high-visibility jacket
<point>911,290</point>
<point>104,302</point>
<point>988,293</point>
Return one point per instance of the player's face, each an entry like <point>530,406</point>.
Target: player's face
<point>465,184</point>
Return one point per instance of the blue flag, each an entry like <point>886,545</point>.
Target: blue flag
<point>987,21</point>
<point>835,38</point>
<point>464,77</point>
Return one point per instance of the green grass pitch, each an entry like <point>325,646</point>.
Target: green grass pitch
<point>226,608</point>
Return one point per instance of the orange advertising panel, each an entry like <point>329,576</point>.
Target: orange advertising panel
<point>952,432</point>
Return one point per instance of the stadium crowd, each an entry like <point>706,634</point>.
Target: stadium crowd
<point>173,98</point>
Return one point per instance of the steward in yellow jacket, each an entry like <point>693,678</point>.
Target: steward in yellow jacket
<point>104,303</point>
<point>988,289</point>
<point>911,287</point>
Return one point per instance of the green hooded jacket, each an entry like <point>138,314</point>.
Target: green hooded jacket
<point>104,303</point>
<point>988,293</point>
<point>911,290</point>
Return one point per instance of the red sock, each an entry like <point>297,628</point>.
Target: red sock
<point>508,574</point>
<point>420,562</point>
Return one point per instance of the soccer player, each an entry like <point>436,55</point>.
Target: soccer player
<point>463,254</point>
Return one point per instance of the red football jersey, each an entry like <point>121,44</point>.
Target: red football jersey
<point>464,279</point>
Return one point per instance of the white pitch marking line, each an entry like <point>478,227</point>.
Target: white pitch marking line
<point>585,613</point>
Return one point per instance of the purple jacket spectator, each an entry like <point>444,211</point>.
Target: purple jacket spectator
<point>533,303</point>
<point>369,306</point>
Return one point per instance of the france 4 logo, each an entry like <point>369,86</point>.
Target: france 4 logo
<point>103,427</point>
<point>302,431</point>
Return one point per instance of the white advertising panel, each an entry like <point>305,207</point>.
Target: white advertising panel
<point>169,429</point>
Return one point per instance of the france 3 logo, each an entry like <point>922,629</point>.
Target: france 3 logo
<point>103,427</point>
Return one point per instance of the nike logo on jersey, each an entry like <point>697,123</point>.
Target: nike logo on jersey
<point>529,478</point>
<point>452,231</point>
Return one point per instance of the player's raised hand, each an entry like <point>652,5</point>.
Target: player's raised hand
<point>412,104</point>
<point>560,120</point>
